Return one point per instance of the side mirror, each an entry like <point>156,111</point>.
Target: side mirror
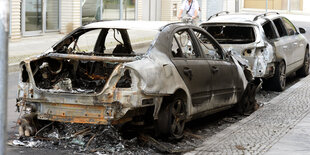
<point>302,30</point>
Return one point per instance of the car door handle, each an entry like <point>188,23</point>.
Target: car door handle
<point>188,72</point>
<point>215,69</point>
<point>285,47</point>
<point>295,44</point>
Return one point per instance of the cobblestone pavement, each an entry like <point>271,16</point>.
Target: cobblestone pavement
<point>257,133</point>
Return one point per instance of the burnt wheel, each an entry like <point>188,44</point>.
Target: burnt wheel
<point>171,118</point>
<point>278,82</point>
<point>304,70</point>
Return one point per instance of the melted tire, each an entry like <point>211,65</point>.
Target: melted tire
<point>171,119</point>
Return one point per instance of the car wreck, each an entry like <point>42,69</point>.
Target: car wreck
<point>272,45</point>
<point>127,76</point>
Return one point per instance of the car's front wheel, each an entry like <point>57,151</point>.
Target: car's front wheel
<point>171,118</point>
<point>278,82</point>
<point>304,70</point>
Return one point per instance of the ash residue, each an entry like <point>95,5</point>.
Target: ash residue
<point>84,138</point>
<point>101,139</point>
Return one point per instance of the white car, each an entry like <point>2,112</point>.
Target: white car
<point>271,43</point>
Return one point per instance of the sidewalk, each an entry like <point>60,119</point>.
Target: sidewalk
<point>279,127</point>
<point>29,46</point>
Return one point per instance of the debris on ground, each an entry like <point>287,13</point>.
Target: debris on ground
<point>102,139</point>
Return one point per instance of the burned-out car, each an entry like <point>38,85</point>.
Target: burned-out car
<point>124,76</point>
<point>271,43</point>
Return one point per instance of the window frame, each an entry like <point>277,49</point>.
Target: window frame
<point>194,44</point>
<point>289,22</point>
<point>282,27</point>
<point>273,27</point>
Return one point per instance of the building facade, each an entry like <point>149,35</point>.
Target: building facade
<point>40,17</point>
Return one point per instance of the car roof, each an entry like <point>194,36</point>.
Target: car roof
<point>240,18</point>
<point>134,25</point>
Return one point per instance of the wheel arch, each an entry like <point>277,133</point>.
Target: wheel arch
<point>165,101</point>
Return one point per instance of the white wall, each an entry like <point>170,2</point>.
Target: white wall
<point>306,6</point>
<point>229,5</point>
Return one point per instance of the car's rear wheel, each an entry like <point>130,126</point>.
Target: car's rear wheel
<point>278,82</point>
<point>171,118</point>
<point>304,70</point>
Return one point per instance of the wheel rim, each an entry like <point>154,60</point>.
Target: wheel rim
<point>282,75</point>
<point>177,118</point>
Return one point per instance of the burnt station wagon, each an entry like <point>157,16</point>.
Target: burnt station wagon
<point>271,43</point>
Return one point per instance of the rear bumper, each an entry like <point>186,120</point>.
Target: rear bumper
<point>108,113</point>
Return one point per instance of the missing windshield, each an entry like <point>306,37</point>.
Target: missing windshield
<point>232,34</point>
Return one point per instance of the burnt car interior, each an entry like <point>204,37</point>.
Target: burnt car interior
<point>78,75</point>
<point>71,45</point>
<point>269,30</point>
<point>232,34</point>
<point>182,46</point>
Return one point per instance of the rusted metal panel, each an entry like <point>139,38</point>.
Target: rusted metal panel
<point>74,113</point>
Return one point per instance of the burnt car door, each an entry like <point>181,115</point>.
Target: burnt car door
<point>296,43</point>
<point>224,75</point>
<point>193,68</point>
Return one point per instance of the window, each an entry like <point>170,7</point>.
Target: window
<point>85,43</point>
<point>289,27</point>
<point>207,47</point>
<point>183,46</point>
<point>129,9</point>
<point>269,30</point>
<point>94,10</point>
<point>261,4</point>
<point>296,5</point>
<point>232,34</point>
<point>280,27</point>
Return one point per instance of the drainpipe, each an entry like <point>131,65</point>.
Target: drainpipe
<point>266,5</point>
<point>121,9</point>
<point>237,5</point>
<point>4,29</point>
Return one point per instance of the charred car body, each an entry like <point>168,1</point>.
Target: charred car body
<point>182,76</point>
<point>272,45</point>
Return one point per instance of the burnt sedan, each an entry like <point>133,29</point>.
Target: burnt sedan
<point>112,73</point>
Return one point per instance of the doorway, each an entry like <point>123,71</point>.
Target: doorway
<point>40,16</point>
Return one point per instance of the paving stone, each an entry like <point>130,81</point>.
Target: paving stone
<point>262,129</point>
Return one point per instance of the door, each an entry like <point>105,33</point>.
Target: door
<point>222,71</point>
<point>40,16</point>
<point>296,43</point>
<point>284,44</point>
<point>193,68</point>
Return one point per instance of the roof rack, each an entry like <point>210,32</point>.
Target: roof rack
<point>265,14</point>
<point>217,14</point>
